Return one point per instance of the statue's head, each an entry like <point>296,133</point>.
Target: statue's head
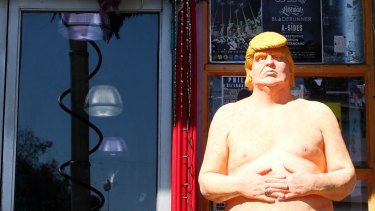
<point>267,41</point>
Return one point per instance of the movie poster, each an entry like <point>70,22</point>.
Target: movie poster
<point>300,22</point>
<point>233,88</point>
<point>233,24</point>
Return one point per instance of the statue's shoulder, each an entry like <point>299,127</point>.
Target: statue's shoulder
<point>231,109</point>
<point>312,105</point>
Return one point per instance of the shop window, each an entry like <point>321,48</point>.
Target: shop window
<point>343,40</point>
<point>124,167</point>
<point>319,32</point>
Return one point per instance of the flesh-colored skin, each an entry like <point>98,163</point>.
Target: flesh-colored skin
<point>271,141</point>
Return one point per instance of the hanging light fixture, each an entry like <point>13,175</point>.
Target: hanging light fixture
<point>84,26</point>
<point>113,146</point>
<point>103,101</point>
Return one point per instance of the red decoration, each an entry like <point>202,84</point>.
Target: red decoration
<point>184,176</point>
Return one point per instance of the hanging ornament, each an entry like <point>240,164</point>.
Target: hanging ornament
<point>110,8</point>
<point>109,5</point>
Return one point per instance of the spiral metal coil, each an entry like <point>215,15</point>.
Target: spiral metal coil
<point>92,126</point>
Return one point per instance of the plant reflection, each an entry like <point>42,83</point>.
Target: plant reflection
<point>32,175</point>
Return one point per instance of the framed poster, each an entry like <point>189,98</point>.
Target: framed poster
<point>233,89</point>
<point>300,22</point>
<point>235,22</point>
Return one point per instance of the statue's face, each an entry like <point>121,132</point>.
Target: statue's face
<point>270,67</point>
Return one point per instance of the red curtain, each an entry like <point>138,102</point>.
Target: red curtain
<point>184,173</point>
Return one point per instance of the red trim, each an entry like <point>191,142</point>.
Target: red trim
<point>180,174</point>
<point>194,119</point>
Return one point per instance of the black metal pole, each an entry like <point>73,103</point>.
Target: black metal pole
<point>80,163</point>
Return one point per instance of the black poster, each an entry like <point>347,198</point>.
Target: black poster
<point>300,22</point>
<point>231,87</point>
<point>233,24</point>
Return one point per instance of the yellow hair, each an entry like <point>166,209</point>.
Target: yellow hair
<point>264,41</point>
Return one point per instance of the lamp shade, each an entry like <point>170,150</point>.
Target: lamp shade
<point>113,146</point>
<point>84,26</point>
<point>103,101</point>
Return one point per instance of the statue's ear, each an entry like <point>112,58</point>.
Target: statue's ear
<point>249,78</point>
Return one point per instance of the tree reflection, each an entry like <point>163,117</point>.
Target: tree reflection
<point>38,184</point>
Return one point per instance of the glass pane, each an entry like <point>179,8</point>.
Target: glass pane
<point>357,201</point>
<point>342,32</point>
<point>124,167</point>
<point>345,96</point>
<point>340,24</point>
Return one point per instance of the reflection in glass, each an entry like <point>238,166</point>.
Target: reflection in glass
<point>44,130</point>
<point>103,101</point>
<point>342,32</point>
<point>346,98</point>
<point>84,26</point>
<point>113,146</point>
<point>344,95</point>
<point>216,98</point>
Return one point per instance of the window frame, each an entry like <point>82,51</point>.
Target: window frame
<point>9,73</point>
